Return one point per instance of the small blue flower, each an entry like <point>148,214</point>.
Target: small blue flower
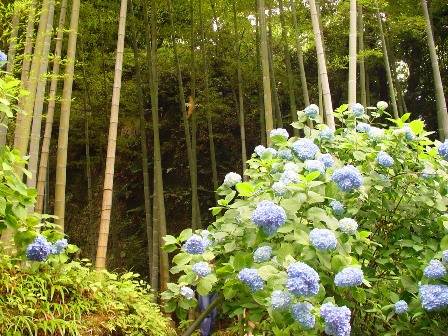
<point>301,313</point>
<point>357,110</point>
<point>312,111</point>
<point>338,207</point>
<point>336,319</point>
<point>305,149</point>
<point>443,150</point>
<point>289,176</point>
<point>39,250</point>
<point>280,300</point>
<point>315,165</point>
<point>59,246</point>
<point>269,216</point>
<point>408,134</point>
<point>347,178</point>
<point>279,131</point>
<point>349,277</point>
<point>3,58</point>
<point>251,278</point>
<point>326,134</point>
<point>187,292</point>
<point>445,256</point>
<point>259,150</point>
<point>327,160</point>
<point>285,154</point>
<point>382,105</point>
<point>376,134</point>
<point>262,254</point>
<point>202,269</point>
<point>323,239</point>
<point>363,127</point>
<point>348,225</point>
<point>401,307</point>
<point>279,188</point>
<point>434,270</point>
<point>303,280</point>
<point>195,245</point>
<point>231,179</point>
<point>291,166</point>
<point>384,159</point>
<point>434,297</point>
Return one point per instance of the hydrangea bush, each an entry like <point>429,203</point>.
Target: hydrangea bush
<point>347,247</point>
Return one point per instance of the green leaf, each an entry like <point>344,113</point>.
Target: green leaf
<point>360,156</point>
<point>170,240</point>
<point>409,284</point>
<point>444,243</point>
<point>266,272</point>
<point>239,261</point>
<point>417,126</point>
<point>301,237</point>
<point>405,117</point>
<point>312,176</point>
<point>359,295</point>
<point>338,262</point>
<point>245,188</point>
<point>182,258</point>
<point>204,286</point>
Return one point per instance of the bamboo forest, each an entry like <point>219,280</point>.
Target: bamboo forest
<point>223,167</point>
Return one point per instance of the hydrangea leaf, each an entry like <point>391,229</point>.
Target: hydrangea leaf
<point>266,272</point>
<point>444,243</point>
<point>359,294</point>
<point>409,284</point>
<point>204,286</point>
<point>417,126</point>
<point>182,258</point>
<point>245,189</point>
<point>238,262</point>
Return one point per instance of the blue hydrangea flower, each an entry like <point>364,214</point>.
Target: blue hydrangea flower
<point>202,269</point>
<point>289,176</point>
<point>59,246</point>
<point>305,149</point>
<point>443,150</point>
<point>312,111</point>
<point>357,110</point>
<point>195,245</point>
<point>327,160</point>
<point>434,270</point>
<point>39,249</point>
<point>376,134</point>
<point>326,134</point>
<point>384,159</point>
<point>348,225</point>
<point>187,292</point>
<point>315,165</point>
<point>279,188</point>
<point>272,151</point>
<point>3,58</point>
<point>269,216</point>
<point>427,174</point>
<point>363,127</point>
<point>280,300</point>
<point>323,239</point>
<point>434,297</point>
<point>291,166</point>
<point>285,154</point>
<point>349,277</point>
<point>347,178</point>
<point>259,150</point>
<point>251,278</point>
<point>338,207</point>
<point>303,280</point>
<point>401,307</point>
<point>279,131</point>
<point>276,167</point>
<point>301,313</point>
<point>445,256</point>
<point>382,105</point>
<point>262,254</point>
<point>231,179</point>
<point>408,134</point>
<point>336,319</point>
<point>383,177</point>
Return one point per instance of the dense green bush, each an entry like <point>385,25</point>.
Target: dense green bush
<point>387,225</point>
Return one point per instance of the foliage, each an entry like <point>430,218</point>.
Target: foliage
<point>392,226</point>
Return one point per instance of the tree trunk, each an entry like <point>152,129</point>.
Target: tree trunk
<point>260,81</point>
<point>352,56</point>
<point>13,39</point>
<point>101,254</point>
<point>362,68</point>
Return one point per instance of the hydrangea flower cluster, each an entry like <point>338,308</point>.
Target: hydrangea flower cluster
<point>376,134</point>
<point>326,134</point>
<point>59,246</point>
<point>315,165</point>
<point>434,297</point>
<point>262,254</point>
<point>259,150</point>
<point>279,131</point>
<point>363,127</point>
<point>338,208</point>
<point>327,160</point>
<point>382,105</point>
<point>291,166</point>
<point>251,278</point>
<point>357,110</point>
<point>39,249</point>
<point>279,188</point>
<point>202,269</point>
<point>408,134</point>
<point>187,292</point>
<point>384,159</point>
<point>348,225</point>
<point>3,58</point>
<point>336,319</point>
<point>285,154</point>
<point>434,270</point>
<point>347,178</point>
<point>303,280</point>
<point>289,176</point>
<point>323,239</point>
<point>401,307</point>
<point>305,149</point>
<point>443,150</point>
<point>231,179</point>
<point>280,300</point>
<point>312,111</point>
<point>195,245</point>
<point>349,277</point>
<point>301,312</point>
<point>445,256</point>
<point>269,216</point>
<point>272,151</point>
